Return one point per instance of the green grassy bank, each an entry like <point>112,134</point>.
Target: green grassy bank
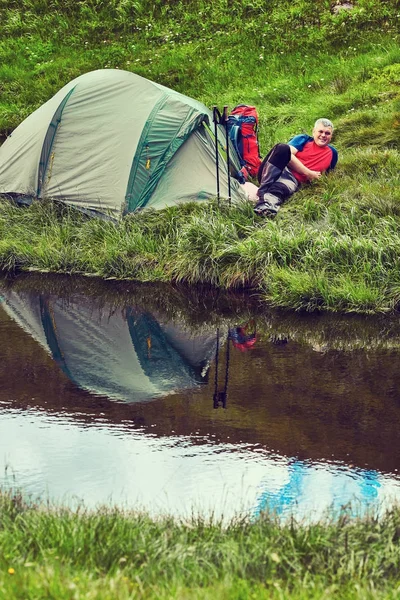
<point>334,246</point>
<point>48,552</point>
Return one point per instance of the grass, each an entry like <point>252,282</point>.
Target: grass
<point>52,552</point>
<point>340,256</point>
<point>333,247</point>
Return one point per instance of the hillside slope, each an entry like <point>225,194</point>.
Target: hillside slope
<point>335,245</point>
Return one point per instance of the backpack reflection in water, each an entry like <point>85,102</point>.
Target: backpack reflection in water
<point>303,159</point>
<point>243,336</point>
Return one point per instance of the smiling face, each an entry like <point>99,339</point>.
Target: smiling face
<point>322,135</point>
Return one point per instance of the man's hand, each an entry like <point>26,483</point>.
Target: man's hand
<point>313,175</point>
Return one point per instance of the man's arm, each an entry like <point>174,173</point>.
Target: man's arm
<point>296,165</point>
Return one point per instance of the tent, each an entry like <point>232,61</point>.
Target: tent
<point>113,142</point>
<point>124,353</point>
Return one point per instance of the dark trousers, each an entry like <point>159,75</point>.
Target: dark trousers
<point>277,183</point>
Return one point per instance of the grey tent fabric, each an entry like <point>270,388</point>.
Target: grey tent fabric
<point>113,142</point>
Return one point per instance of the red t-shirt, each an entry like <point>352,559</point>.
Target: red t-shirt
<point>313,157</point>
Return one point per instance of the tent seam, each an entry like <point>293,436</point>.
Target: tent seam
<point>55,122</point>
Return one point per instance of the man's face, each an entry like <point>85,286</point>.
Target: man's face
<point>322,135</point>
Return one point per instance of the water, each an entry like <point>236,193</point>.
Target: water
<point>154,398</point>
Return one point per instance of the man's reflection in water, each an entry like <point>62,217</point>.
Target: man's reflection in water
<point>243,338</point>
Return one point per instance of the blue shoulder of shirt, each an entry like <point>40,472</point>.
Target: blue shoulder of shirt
<point>299,141</point>
<point>334,158</point>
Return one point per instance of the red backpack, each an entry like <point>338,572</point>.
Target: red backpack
<point>242,128</point>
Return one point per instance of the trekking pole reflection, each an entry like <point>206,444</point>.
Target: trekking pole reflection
<point>243,338</point>
<point>220,396</point>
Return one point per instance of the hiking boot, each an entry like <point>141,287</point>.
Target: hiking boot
<point>263,209</point>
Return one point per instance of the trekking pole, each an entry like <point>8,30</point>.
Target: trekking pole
<point>217,120</point>
<point>225,121</point>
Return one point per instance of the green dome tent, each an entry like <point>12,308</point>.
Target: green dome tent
<point>111,141</point>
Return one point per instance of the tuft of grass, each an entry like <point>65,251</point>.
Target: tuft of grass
<point>109,553</point>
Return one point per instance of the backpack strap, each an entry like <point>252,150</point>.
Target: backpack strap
<point>235,137</point>
<point>334,158</point>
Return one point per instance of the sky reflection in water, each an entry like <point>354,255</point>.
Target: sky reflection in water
<point>115,393</point>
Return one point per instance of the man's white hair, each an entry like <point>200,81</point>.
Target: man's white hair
<point>325,123</point>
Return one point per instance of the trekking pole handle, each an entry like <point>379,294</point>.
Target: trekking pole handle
<point>217,118</point>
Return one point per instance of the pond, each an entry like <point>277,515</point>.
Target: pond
<point>182,401</point>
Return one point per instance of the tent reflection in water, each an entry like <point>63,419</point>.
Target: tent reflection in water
<point>120,352</point>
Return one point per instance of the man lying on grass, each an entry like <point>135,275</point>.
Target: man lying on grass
<point>287,166</point>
